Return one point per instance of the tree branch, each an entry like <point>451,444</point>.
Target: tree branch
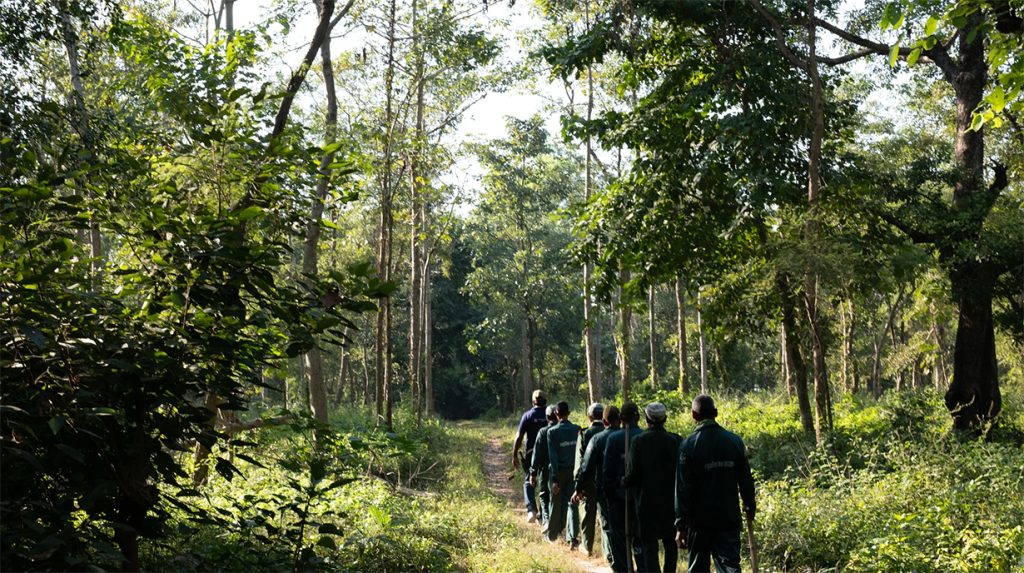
<point>281,119</point>
<point>780,37</point>
<point>915,235</point>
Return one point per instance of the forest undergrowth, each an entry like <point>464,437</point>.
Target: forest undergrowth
<point>413,500</point>
<point>894,490</point>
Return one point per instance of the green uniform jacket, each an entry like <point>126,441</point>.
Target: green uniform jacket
<point>712,465</point>
<point>562,447</point>
<point>613,465</point>
<point>586,435</point>
<point>651,473</point>
<point>589,472</point>
<point>539,463</point>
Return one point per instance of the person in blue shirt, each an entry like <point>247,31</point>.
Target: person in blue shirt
<point>533,420</point>
<point>562,440</point>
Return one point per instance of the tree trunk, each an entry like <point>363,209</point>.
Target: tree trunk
<point>851,325</point>
<point>784,373</point>
<point>703,347</point>
<point>428,344</point>
<point>415,212</point>
<point>793,353</point>
<point>525,371</point>
<point>384,251</point>
<point>973,398</point>
<point>684,379</point>
<point>822,399</point>
<point>590,342</point>
<point>652,337</point>
<point>623,342</point>
<point>366,375</point>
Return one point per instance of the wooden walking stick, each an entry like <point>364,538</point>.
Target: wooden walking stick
<point>629,536</point>
<point>753,544</point>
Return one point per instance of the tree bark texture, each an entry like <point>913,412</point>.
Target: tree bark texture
<point>973,397</point>
<point>684,379</point>
<point>794,356</point>
<point>623,343</point>
<point>652,338</point>
<point>415,176</point>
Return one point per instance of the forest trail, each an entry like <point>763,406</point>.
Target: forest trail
<point>497,470</point>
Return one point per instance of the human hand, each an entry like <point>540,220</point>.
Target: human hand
<point>576,497</point>
<point>555,488</point>
<point>533,481</point>
<point>681,539</point>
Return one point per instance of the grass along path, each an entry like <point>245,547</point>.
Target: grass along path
<point>545,556</point>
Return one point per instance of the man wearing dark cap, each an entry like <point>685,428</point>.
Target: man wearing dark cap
<point>712,474</point>
<point>589,476</point>
<point>613,471</point>
<point>540,469</point>
<point>588,519</point>
<point>531,422</point>
<point>651,473</point>
<point>562,458</point>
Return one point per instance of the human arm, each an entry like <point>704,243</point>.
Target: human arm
<point>683,487</point>
<point>515,447</point>
<point>634,469</point>
<point>745,479</point>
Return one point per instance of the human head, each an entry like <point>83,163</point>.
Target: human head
<point>655,413</point>
<point>550,412</point>
<point>630,413</point>
<point>704,408</point>
<point>611,417</point>
<point>539,399</point>
<point>563,410</point>
<point>595,411</point>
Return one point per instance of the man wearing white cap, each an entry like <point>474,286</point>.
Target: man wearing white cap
<point>651,473</point>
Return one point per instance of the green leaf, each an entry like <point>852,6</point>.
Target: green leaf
<point>997,99</point>
<point>977,121</point>
<point>56,423</point>
<point>931,25</point>
<point>914,55</point>
<point>894,54</point>
<point>249,212</point>
<point>327,542</point>
<point>330,529</point>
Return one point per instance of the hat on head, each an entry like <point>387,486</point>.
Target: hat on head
<point>550,411</point>
<point>655,411</point>
<point>595,410</point>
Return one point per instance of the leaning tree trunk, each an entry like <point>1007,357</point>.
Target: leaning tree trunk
<point>310,256</point>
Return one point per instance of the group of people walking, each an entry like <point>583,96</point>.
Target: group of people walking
<point>652,491</point>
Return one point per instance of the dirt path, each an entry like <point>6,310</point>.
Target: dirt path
<point>497,469</point>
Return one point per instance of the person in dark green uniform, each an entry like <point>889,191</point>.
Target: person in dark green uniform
<point>711,468</point>
<point>613,470</point>
<point>589,476</point>
<point>651,473</point>
<point>539,468</point>
<point>588,507</point>
<point>562,459</point>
